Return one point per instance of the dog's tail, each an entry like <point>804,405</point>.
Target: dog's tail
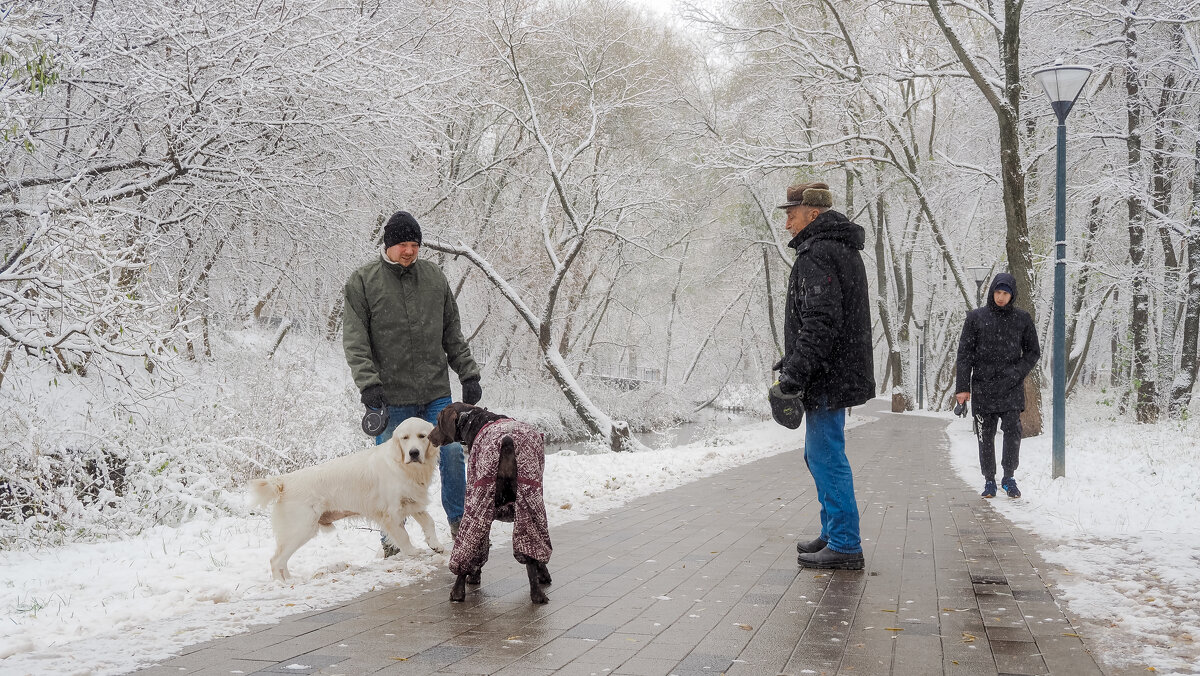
<point>508,458</point>
<point>506,473</point>
<point>264,492</point>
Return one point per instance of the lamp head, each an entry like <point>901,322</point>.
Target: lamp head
<point>1062,84</point>
<point>979,273</point>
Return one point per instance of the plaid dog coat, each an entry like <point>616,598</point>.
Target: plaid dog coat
<point>531,532</point>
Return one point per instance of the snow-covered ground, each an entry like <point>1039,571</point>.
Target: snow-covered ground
<point>1125,528</point>
<point>109,607</point>
<point>1124,523</point>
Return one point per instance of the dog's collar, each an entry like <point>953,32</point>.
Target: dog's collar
<point>468,425</point>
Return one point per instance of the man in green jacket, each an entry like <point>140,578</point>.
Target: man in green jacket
<point>400,332</point>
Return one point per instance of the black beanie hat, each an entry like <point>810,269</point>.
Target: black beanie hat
<point>401,227</point>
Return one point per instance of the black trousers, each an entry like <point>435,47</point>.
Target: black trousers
<point>985,431</point>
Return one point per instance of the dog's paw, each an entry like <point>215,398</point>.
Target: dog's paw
<point>459,591</point>
<point>538,596</point>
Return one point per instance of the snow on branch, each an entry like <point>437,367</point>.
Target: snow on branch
<point>510,294</point>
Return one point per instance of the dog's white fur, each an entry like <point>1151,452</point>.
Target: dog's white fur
<point>384,484</point>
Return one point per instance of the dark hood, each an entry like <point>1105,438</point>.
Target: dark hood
<point>835,226</point>
<point>1011,282</point>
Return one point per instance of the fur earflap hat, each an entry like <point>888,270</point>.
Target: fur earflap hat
<point>401,227</point>
<point>808,195</point>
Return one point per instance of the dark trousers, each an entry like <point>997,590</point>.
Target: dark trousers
<point>985,431</point>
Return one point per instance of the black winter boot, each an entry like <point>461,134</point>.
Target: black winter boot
<point>811,547</point>
<point>827,558</point>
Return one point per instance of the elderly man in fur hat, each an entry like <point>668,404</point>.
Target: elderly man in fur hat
<point>827,361</point>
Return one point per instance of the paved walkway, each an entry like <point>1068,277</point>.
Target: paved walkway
<point>703,580</point>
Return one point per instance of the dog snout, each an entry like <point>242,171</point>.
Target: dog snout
<point>414,455</point>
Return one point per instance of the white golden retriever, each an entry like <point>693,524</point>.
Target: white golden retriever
<point>384,484</point>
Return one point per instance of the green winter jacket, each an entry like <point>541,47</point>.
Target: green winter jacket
<point>401,330</point>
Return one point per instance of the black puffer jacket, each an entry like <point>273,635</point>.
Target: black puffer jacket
<point>827,326</point>
<point>998,348</point>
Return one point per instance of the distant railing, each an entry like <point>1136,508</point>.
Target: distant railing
<point>626,377</point>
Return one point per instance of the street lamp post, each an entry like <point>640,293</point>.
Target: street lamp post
<point>1063,84</point>
<point>921,367</point>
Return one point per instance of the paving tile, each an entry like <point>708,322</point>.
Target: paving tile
<point>646,666</point>
<point>355,664</point>
<point>303,664</point>
<point>607,658</point>
<point>571,669</point>
<point>703,662</point>
<point>1018,657</point>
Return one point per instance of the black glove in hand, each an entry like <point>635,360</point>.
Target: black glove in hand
<point>778,366</point>
<point>787,386</point>
<point>373,396</point>
<point>471,392</point>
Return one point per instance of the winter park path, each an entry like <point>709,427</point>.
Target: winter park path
<point>702,579</point>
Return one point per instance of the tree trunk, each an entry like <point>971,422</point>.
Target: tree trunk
<point>1017,240</point>
<point>895,364</point>
<point>1145,408</point>
<point>666,370</point>
<point>770,300</point>
<point>284,327</point>
<point>1181,392</point>
<point>1006,103</point>
<point>1076,356</point>
<point>1161,183</point>
<point>8,353</point>
<point>1095,218</point>
<point>334,321</point>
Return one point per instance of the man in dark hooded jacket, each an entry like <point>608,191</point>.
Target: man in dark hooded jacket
<point>828,360</point>
<point>998,348</point>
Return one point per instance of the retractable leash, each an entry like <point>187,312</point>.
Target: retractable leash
<point>375,421</point>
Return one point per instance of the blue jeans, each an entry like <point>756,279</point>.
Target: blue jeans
<point>453,467</point>
<point>825,455</point>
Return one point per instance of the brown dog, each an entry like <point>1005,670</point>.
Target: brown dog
<point>505,463</point>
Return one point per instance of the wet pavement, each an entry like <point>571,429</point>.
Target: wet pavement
<point>703,579</point>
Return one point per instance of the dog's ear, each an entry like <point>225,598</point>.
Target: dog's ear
<point>443,432</point>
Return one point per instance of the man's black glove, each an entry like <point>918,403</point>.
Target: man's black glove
<point>471,391</point>
<point>778,366</point>
<point>788,386</point>
<point>373,396</point>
